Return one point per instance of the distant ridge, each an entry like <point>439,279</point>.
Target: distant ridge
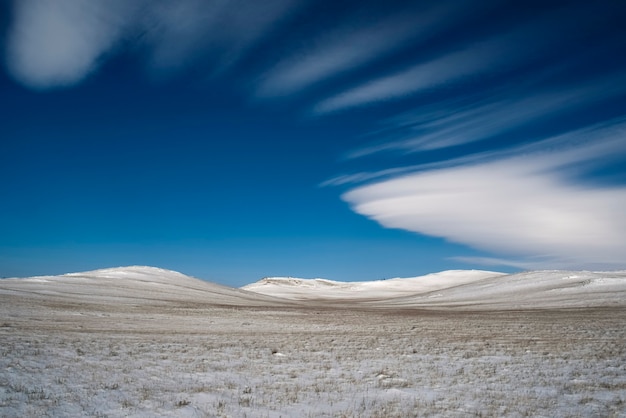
<point>462,289</point>
<point>132,285</point>
<point>303,289</point>
<point>453,289</point>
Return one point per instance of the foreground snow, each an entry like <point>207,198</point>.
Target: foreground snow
<point>142,342</point>
<point>222,362</point>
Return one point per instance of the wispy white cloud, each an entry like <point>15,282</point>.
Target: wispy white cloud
<point>177,31</point>
<point>354,48</point>
<point>498,53</point>
<point>536,263</point>
<point>181,33</point>
<point>525,206</point>
<point>58,43</point>
<point>443,125</point>
<point>351,46</point>
<point>540,263</point>
<point>447,69</point>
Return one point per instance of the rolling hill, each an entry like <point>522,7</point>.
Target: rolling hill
<point>462,289</point>
<point>135,285</point>
<point>455,289</point>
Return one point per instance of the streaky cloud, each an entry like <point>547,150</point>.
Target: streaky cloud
<point>60,43</point>
<point>447,69</point>
<point>494,261</point>
<point>608,137</point>
<point>538,263</point>
<point>353,44</point>
<point>56,44</point>
<point>521,205</point>
<point>499,53</point>
<point>443,125</point>
<point>181,33</point>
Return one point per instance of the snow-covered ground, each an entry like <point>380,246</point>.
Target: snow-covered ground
<point>145,342</point>
<point>131,285</point>
<point>469,289</point>
<point>311,289</point>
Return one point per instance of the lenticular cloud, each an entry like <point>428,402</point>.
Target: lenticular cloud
<point>520,206</point>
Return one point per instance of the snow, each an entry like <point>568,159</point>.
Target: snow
<point>462,289</point>
<point>303,289</point>
<point>537,289</point>
<point>145,342</point>
<point>133,285</point>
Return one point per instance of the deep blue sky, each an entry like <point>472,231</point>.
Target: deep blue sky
<point>351,140</point>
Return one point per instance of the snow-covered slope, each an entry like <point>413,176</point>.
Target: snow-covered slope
<point>472,289</point>
<point>131,285</point>
<point>307,289</point>
<point>463,289</point>
<point>536,289</point>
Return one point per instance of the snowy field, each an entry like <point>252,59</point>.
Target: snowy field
<point>145,342</point>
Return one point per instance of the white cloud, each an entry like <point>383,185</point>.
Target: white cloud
<point>58,43</point>
<point>443,125</point>
<point>447,69</point>
<point>521,205</point>
<point>349,47</point>
<point>185,31</point>
<point>176,31</point>
<point>523,43</point>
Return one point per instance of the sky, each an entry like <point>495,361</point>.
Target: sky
<point>351,140</point>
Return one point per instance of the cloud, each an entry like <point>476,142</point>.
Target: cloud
<point>181,33</point>
<point>534,264</point>
<point>448,124</point>
<point>353,49</point>
<point>539,263</point>
<point>495,54</point>
<point>58,43</point>
<point>353,44</point>
<point>447,69</point>
<point>525,205</point>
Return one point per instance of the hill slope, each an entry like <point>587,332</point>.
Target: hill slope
<point>136,285</point>
<point>536,289</point>
<point>462,289</point>
<point>459,289</point>
<point>321,289</point>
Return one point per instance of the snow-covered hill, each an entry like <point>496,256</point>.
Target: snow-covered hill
<point>320,289</point>
<point>131,285</point>
<point>147,342</point>
<point>536,289</point>
<point>462,289</point>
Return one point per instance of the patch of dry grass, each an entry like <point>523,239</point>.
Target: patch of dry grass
<point>207,361</point>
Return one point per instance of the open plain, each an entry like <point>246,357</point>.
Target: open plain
<point>110,345</point>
